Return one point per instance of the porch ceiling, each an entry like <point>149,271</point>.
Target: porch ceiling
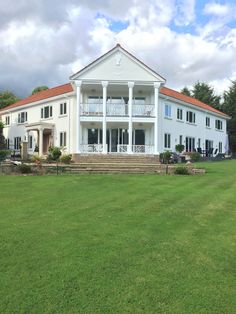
<point>39,125</point>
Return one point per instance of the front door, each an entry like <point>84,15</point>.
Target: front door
<point>46,138</point>
<point>139,137</point>
<point>114,140</point>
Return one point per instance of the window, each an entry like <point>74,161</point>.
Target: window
<point>199,143</point>
<point>167,111</point>
<point>22,117</point>
<point>46,112</point>
<point>62,138</point>
<point>208,122</point>
<point>8,143</point>
<point>17,141</point>
<point>220,147</point>
<point>179,114</point>
<point>94,136</point>
<point>181,139</point>
<point>167,140</point>
<point>190,144</point>
<point>30,142</point>
<point>63,108</point>
<point>190,117</point>
<point>7,120</point>
<point>218,124</point>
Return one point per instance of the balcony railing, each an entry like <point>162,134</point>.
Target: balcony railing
<point>122,148</point>
<point>143,110</point>
<point>143,149</point>
<point>91,148</point>
<point>118,110</point>
<point>91,109</point>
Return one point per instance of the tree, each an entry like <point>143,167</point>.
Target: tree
<point>229,107</point>
<point>205,93</point>
<point>7,98</point>
<point>185,91</point>
<point>2,138</point>
<point>39,89</point>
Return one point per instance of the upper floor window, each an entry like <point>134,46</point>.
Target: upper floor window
<point>190,117</point>
<point>22,117</point>
<point>46,112</point>
<point>208,122</point>
<point>180,114</point>
<point>218,124</point>
<point>167,111</point>
<point>7,120</point>
<point>63,108</point>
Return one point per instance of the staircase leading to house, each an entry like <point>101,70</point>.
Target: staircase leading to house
<point>114,163</point>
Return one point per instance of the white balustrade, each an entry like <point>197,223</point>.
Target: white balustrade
<point>117,109</point>
<point>143,110</point>
<point>143,149</point>
<point>87,109</point>
<point>122,148</point>
<point>91,148</point>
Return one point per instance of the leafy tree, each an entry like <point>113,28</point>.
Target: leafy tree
<point>185,91</point>
<point>229,107</point>
<point>7,98</point>
<point>2,138</point>
<point>39,89</point>
<point>205,93</point>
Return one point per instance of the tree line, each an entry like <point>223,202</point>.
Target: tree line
<point>200,90</point>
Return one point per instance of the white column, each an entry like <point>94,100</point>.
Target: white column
<point>78,135</point>
<point>131,86</point>
<point>40,141</point>
<point>104,123</point>
<point>157,118</point>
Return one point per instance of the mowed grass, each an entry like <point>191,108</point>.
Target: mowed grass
<point>119,243</point>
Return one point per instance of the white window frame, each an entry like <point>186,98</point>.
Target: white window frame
<point>208,122</point>
<point>218,125</point>
<point>22,117</point>
<point>191,117</point>
<point>63,139</point>
<point>167,140</point>
<point>220,147</point>
<point>179,114</point>
<point>30,142</point>
<point>167,111</point>
<point>17,142</point>
<point>63,109</point>
<point>7,120</point>
<point>43,110</point>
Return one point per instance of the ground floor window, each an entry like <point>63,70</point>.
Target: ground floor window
<point>94,136</point>
<point>208,144</point>
<point>167,140</point>
<point>220,147</point>
<point>189,144</point>
<point>30,142</point>
<point>17,141</point>
<point>8,143</point>
<point>62,138</point>
<point>181,139</point>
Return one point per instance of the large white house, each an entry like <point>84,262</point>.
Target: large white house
<point>116,104</point>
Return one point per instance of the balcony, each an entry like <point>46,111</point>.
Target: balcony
<point>117,110</point>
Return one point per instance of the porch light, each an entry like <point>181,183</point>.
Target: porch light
<point>93,130</point>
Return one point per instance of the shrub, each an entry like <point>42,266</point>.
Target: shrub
<point>195,156</point>
<point>165,157</point>
<point>181,171</point>
<point>54,153</point>
<point>179,148</point>
<point>66,158</point>
<point>36,158</point>
<point>3,154</point>
<point>23,168</point>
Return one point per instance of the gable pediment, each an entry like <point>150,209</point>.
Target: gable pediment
<point>117,65</point>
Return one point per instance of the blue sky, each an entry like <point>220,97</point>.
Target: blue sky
<point>43,43</point>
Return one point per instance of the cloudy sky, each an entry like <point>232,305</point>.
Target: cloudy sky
<point>43,42</point>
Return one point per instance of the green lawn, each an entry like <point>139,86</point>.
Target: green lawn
<point>119,243</point>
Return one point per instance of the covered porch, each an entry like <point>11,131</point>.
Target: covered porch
<point>45,135</point>
<point>117,138</point>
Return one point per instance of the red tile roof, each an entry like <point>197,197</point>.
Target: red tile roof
<point>190,100</point>
<point>45,94</point>
<point>67,88</point>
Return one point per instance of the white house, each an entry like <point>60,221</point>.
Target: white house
<point>116,104</point>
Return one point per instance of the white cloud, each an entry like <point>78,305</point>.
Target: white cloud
<point>217,9</point>
<point>42,43</point>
